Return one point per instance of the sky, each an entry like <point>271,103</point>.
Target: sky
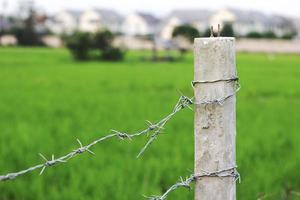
<point>162,7</point>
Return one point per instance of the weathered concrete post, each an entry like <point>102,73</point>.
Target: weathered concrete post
<point>215,117</point>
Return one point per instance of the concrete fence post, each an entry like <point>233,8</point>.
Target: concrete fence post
<point>215,117</point>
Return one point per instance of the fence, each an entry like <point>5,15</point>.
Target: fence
<point>215,85</point>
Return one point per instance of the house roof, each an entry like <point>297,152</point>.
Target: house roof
<point>251,17</point>
<point>282,22</point>
<point>241,16</point>
<point>149,18</point>
<point>191,15</point>
<point>74,13</point>
<point>248,17</point>
<point>109,16</point>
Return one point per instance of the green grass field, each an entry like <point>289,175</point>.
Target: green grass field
<point>47,101</point>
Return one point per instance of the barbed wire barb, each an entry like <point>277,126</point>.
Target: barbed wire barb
<point>182,102</point>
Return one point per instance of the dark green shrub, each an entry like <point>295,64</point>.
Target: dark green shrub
<point>187,31</point>
<point>254,34</point>
<point>102,40</point>
<point>207,33</point>
<point>26,36</point>
<point>289,36</point>
<point>84,46</point>
<point>269,35</point>
<point>79,45</point>
<point>227,30</point>
<point>112,54</point>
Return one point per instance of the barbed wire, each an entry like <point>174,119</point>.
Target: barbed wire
<point>230,172</point>
<point>185,183</point>
<point>221,100</point>
<point>156,128</point>
<point>215,81</point>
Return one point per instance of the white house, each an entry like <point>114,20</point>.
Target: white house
<point>95,19</point>
<point>64,22</point>
<point>140,24</point>
<point>197,18</point>
<point>245,21</point>
<point>281,25</point>
<point>168,27</point>
<point>296,23</point>
<point>222,17</point>
<point>248,21</point>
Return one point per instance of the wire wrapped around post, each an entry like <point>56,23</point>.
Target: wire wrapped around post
<point>215,86</point>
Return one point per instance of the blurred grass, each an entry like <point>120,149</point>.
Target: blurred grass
<point>47,101</point>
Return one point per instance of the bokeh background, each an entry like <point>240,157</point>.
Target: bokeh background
<point>76,70</point>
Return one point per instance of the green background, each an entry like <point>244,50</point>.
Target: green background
<point>47,101</point>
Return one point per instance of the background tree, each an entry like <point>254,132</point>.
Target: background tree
<point>269,35</point>
<point>82,44</point>
<point>254,34</point>
<point>112,54</point>
<point>102,40</point>
<point>79,45</point>
<point>227,30</point>
<point>24,30</point>
<point>184,36</point>
<point>207,33</point>
<point>187,31</point>
<point>154,52</point>
<point>289,36</point>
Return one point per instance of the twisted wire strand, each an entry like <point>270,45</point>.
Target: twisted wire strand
<point>156,128</point>
<point>186,183</point>
<point>221,100</point>
<point>215,81</point>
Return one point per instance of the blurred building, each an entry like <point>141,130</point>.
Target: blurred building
<point>198,18</point>
<point>253,21</point>
<point>297,26</point>
<point>140,24</point>
<point>40,23</point>
<point>136,28</point>
<point>243,21</point>
<point>222,17</point>
<point>95,19</point>
<point>64,22</point>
